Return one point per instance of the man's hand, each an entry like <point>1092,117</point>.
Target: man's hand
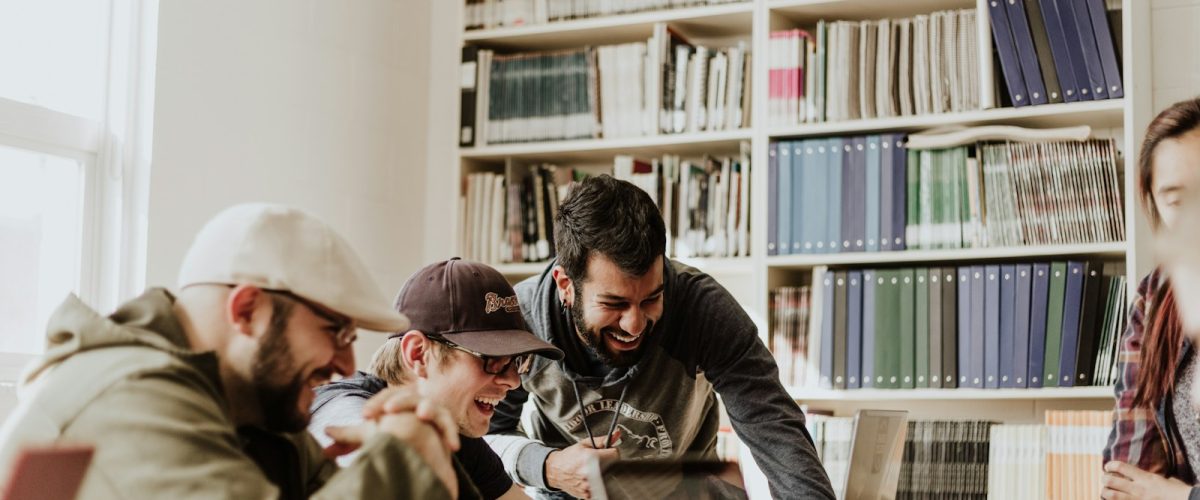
<point>567,469</point>
<point>421,423</point>
<point>1126,482</point>
<point>406,399</point>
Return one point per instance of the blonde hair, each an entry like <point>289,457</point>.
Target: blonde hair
<point>387,363</point>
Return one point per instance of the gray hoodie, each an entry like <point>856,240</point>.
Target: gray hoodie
<point>703,342</point>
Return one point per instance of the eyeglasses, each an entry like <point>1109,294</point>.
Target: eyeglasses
<point>346,332</point>
<point>492,365</point>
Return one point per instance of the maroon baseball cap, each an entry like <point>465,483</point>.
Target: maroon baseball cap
<point>473,306</point>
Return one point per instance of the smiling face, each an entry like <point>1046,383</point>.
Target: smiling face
<point>614,311</point>
<point>297,353</point>
<point>459,382</point>
<point>1176,174</point>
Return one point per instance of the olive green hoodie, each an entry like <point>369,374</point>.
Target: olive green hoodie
<point>155,411</point>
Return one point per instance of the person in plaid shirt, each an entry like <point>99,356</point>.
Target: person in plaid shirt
<point>1155,439</point>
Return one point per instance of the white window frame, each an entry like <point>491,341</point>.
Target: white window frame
<point>115,154</point>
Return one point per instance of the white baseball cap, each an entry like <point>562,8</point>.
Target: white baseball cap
<point>276,247</point>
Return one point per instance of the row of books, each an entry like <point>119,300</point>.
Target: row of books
<point>874,69</point>
<point>873,193</point>
<point>485,14</point>
<point>1061,459</point>
<point>664,85</point>
<point>982,460</point>
<point>705,204</point>
<point>511,218</point>
<point>1008,325</point>
<point>1057,50</point>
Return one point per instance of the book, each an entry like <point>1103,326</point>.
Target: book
<point>1054,324</point>
<point>1006,51</point>
<point>854,329</point>
<point>991,326</point>
<point>1027,57</point>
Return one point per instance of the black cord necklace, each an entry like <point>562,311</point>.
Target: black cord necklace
<point>616,415</point>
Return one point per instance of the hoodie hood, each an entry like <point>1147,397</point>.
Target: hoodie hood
<point>148,320</point>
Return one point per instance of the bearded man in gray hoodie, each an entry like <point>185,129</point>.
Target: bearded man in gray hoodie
<point>648,344</point>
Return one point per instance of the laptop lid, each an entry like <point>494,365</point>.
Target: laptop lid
<point>876,453</point>
<point>47,473</point>
<point>667,479</point>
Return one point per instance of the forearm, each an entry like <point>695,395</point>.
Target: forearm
<point>524,459</point>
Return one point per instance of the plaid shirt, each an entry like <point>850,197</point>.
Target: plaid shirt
<point>1137,436</point>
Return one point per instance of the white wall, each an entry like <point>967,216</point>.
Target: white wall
<point>319,104</point>
<point>1176,60</point>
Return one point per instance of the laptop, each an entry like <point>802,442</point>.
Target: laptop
<point>876,453</point>
<point>701,479</point>
<point>47,473</point>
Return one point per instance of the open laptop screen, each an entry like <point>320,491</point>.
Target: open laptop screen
<point>876,453</point>
<point>669,479</point>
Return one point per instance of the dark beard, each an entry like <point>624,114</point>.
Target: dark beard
<point>278,401</point>
<point>594,339</point>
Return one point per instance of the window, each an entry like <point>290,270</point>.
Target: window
<point>75,102</point>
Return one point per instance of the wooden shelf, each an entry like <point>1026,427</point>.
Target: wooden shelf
<point>1097,114</point>
<point>726,141</point>
<point>949,255</point>
<point>811,11</point>
<point>804,395</point>
<point>709,21</point>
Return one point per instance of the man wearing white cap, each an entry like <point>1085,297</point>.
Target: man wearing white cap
<point>205,393</point>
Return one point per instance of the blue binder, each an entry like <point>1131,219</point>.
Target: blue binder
<point>854,332</point>
<point>899,192</point>
<point>991,327</point>
<point>817,198</point>
<point>978,326</point>
<point>1070,30</point>
<point>873,199</point>
<point>773,199</point>
<point>853,193</point>
<point>1021,309</point>
<point>1091,53</point>
<point>1107,47</point>
<point>1007,51</point>
<point>1063,66</point>
<point>1072,306</point>
<point>1037,324</point>
<point>838,149</point>
<point>1008,297</point>
<point>964,326</point>
<point>784,237</point>
<point>1026,53</point>
<point>802,157</point>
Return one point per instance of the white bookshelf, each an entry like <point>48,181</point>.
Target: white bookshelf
<point>719,20</point>
<point>590,149</point>
<point>751,279</point>
<point>869,395</point>
<point>949,255</point>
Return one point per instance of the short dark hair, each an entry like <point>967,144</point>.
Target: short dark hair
<point>610,217</point>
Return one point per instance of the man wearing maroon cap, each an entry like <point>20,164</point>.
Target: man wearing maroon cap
<point>648,344</point>
<point>467,346</point>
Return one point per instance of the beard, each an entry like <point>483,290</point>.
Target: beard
<point>593,338</point>
<point>277,389</point>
